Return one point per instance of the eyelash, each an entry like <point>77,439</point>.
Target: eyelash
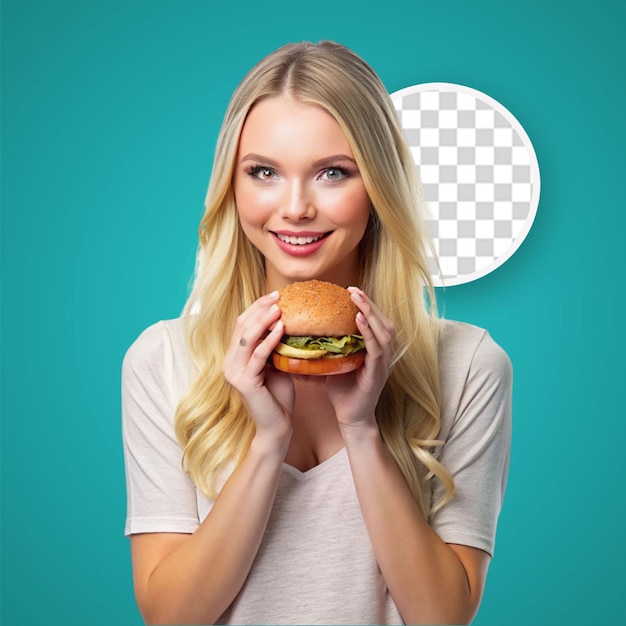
<point>338,168</point>
<point>255,170</point>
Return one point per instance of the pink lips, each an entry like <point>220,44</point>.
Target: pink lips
<point>301,243</point>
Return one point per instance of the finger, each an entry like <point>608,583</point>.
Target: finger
<point>373,345</point>
<point>250,328</point>
<point>258,306</point>
<point>381,326</point>
<point>244,366</point>
<point>265,347</point>
<point>252,357</point>
<point>252,325</point>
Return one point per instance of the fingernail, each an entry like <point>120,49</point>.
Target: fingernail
<point>361,318</point>
<point>356,295</point>
<point>274,308</point>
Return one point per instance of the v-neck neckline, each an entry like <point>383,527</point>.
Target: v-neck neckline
<point>317,469</point>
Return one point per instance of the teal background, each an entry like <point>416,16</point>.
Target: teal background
<point>110,112</point>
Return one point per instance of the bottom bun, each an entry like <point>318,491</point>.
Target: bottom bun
<point>319,367</point>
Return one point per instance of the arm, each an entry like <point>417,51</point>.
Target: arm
<point>192,578</point>
<point>430,581</point>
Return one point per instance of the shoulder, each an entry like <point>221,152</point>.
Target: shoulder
<point>154,337</point>
<point>464,347</point>
<point>475,375</point>
<point>158,344</point>
<point>475,431</point>
<point>157,368</point>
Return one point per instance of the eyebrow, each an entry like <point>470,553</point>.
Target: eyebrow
<point>329,160</point>
<point>333,159</point>
<point>259,158</point>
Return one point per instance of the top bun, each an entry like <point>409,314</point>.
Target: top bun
<point>317,308</point>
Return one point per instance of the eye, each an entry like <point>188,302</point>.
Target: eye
<point>262,173</point>
<point>334,173</point>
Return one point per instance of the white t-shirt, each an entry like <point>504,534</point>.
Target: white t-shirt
<point>316,563</point>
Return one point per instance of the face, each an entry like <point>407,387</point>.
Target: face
<point>299,193</point>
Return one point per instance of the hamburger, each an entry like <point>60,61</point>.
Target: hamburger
<point>321,336</point>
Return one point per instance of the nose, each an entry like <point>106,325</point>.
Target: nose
<point>297,203</point>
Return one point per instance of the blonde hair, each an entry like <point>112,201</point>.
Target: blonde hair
<point>211,422</point>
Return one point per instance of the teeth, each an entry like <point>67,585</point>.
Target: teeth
<point>300,241</point>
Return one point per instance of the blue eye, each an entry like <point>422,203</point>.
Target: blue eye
<point>335,173</point>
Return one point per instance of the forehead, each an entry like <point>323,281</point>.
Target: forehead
<point>281,122</point>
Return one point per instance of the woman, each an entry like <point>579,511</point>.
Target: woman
<point>259,497</point>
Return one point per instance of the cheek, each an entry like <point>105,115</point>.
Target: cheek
<point>354,210</point>
<point>251,205</point>
<point>255,197</point>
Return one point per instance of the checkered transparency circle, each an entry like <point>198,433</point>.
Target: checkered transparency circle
<point>480,176</point>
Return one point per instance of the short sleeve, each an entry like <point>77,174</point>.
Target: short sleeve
<point>476,447</point>
<point>160,495</point>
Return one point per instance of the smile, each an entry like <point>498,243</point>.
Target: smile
<point>298,240</point>
<point>301,244</point>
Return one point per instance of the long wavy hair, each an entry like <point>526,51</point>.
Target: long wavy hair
<point>211,422</point>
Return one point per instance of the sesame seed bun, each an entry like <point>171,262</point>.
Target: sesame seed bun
<point>317,308</point>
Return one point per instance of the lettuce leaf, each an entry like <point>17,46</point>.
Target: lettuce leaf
<point>336,345</point>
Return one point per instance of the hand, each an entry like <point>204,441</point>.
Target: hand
<point>354,395</point>
<point>268,394</point>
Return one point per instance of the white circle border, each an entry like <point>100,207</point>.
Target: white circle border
<point>534,168</point>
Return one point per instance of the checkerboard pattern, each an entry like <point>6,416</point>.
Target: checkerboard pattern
<point>480,177</point>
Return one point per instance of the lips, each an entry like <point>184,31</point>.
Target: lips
<point>298,240</point>
<point>301,243</point>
